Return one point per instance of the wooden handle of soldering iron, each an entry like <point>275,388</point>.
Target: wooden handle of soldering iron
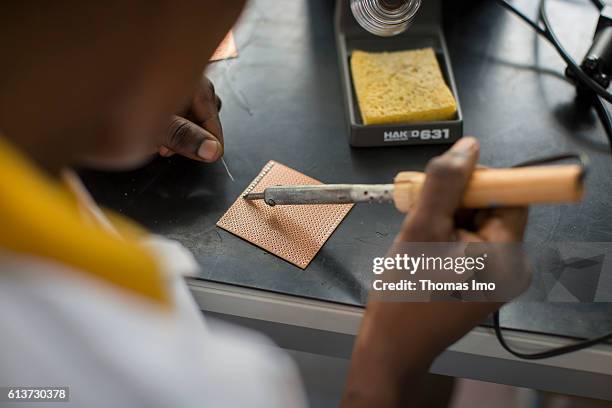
<point>511,187</point>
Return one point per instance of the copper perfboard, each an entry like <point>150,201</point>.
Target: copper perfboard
<point>294,233</point>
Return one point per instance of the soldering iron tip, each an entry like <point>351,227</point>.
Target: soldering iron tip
<point>253,196</point>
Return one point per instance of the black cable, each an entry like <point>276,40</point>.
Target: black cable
<point>581,158</point>
<point>570,348</point>
<point>576,70</point>
<point>597,94</point>
<point>547,33</point>
<point>604,115</point>
<point>579,76</point>
<point>505,4</point>
<point>600,4</point>
<point>590,86</point>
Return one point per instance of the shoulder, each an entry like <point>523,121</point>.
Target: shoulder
<point>61,327</point>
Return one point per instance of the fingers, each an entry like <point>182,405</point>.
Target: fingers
<point>436,216</point>
<point>205,108</point>
<point>504,225</point>
<point>190,140</point>
<point>165,152</point>
<point>197,134</point>
<point>447,178</point>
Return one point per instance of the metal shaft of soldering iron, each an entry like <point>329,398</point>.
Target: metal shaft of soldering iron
<point>325,194</point>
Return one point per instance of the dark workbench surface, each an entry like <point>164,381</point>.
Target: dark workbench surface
<point>282,101</point>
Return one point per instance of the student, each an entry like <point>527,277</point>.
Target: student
<point>90,301</point>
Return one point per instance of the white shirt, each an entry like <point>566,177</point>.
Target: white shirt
<point>61,327</point>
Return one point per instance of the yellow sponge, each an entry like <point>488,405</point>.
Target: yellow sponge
<point>401,87</point>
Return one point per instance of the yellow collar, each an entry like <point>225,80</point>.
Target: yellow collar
<point>41,217</point>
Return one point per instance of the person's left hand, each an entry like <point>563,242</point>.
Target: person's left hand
<point>196,132</point>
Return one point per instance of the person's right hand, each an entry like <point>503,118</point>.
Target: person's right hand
<point>398,341</point>
<point>437,216</point>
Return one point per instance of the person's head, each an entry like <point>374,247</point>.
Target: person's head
<point>97,81</point>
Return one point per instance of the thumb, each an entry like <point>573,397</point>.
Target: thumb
<point>433,218</point>
<point>447,178</point>
<point>190,140</point>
